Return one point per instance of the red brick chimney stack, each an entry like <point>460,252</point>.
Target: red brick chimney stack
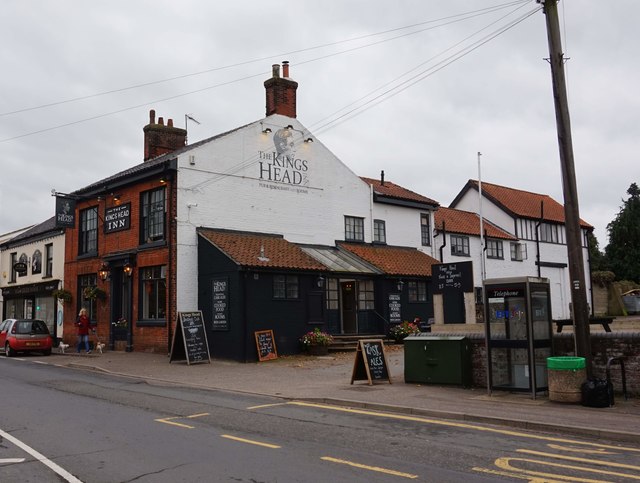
<point>281,92</point>
<point>160,139</point>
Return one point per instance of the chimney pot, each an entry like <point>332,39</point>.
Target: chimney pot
<point>281,92</point>
<point>170,122</point>
<point>285,68</point>
<point>161,121</point>
<point>275,70</point>
<point>382,177</point>
<point>160,139</point>
<point>152,116</point>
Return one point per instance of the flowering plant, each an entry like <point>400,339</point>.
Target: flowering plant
<point>316,337</point>
<point>92,293</point>
<point>400,331</point>
<point>121,322</point>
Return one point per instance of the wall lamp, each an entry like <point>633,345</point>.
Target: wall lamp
<point>266,130</point>
<point>308,140</point>
<point>163,180</point>
<point>289,127</point>
<point>116,198</point>
<point>103,273</point>
<point>127,269</point>
<point>400,285</point>
<point>320,281</point>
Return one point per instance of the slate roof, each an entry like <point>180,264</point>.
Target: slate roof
<point>36,232</point>
<point>260,250</point>
<point>393,260</point>
<point>395,191</point>
<point>519,203</point>
<point>467,223</point>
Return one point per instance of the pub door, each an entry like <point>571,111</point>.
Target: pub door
<point>121,323</point>
<point>349,307</point>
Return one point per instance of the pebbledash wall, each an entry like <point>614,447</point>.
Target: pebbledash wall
<point>625,344</point>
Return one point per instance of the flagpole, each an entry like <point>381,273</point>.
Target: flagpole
<point>482,241</point>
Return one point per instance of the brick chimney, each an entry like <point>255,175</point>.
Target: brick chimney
<point>281,92</point>
<point>160,139</point>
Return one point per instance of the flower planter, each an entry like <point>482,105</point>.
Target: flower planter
<point>318,350</point>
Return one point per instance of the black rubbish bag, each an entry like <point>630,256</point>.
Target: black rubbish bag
<point>597,393</point>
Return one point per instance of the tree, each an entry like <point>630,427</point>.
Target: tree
<point>623,250</point>
<point>596,257</point>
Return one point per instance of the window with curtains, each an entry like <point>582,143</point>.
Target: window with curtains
<point>153,293</point>
<point>88,243</point>
<point>153,215</point>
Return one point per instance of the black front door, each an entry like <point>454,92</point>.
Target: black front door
<point>120,307</point>
<point>349,313</point>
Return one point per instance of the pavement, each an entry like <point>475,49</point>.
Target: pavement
<point>327,379</point>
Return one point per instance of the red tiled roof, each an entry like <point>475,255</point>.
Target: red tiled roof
<point>467,223</point>
<point>246,248</point>
<point>393,190</point>
<point>524,204</point>
<point>393,260</point>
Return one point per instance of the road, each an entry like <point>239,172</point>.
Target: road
<point>59,424</point>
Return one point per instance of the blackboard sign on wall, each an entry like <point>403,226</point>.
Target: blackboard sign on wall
<point>395,308</point>
<point>452,277</point>
<point>190,339</point>
<point>220,305</point>
<point>371,362</point>
<point>266,345</point>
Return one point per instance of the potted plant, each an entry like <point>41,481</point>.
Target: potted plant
<point>316,342</point>
<point>62,295</point>
<point>93,293</point>
<point>400,331</point>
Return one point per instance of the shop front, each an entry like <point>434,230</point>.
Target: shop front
<point>34,301</point>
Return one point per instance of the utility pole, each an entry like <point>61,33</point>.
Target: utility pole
<point>570,190</point>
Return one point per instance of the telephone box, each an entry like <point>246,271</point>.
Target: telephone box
<point>518,333</point>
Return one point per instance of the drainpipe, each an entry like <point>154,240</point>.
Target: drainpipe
<point>444,241</point>
<point>538,238</point>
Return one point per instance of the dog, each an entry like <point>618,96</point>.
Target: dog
<point>63,347</point>
<point>99,346</point>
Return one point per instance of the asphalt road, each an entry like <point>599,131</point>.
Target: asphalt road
<point>59,424</point>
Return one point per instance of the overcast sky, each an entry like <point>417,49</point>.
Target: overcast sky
<point>350,59</point>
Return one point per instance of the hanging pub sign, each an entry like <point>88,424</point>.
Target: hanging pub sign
<point>20,268</point>
<point>117,218</point>
<point>65,212</point>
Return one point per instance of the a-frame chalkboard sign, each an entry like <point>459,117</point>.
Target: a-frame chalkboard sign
<point>190,339</point>
<point>266,345</point>
<point>371,362</point>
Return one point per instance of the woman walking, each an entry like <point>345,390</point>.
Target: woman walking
<point>83,324</point>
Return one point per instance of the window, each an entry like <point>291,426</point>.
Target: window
<point>87,281</point>
<point>23,259</point>
<point>48,254</point>
<point>417,291</point>
<point>494,249</point>
<point>379,231</point>
<point>518,251</point>
<point>333,297</point>
<point>365,295</point>
<point>425,231</point>
<point>36,262</point>
<point>153,293</point>
<point>88,231</point>
<point>460,245</point>
<point>353,228</point>
<point>13,259</point>
<point>153,215</point>
<point>285,286</point>
<point>549,233</point>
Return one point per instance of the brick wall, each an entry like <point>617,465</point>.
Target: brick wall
<point>603,346</point>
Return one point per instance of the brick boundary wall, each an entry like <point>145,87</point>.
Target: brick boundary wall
<point>603,346</point>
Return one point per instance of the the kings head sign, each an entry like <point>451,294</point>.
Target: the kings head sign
<point>65,212</point>
<point>117,218</point>
<point>282,165</point>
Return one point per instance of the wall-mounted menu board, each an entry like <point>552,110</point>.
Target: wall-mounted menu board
<point>266,345</point>
<point>220,303</point>
<point>371,362</point>
<point>190,339</point>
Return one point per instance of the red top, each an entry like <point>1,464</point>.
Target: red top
<point>83,323</point>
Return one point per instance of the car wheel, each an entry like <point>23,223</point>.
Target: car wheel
<point>47,352</point>
<point>8,351</point>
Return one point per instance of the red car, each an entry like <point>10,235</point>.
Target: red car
<point>25,335</point>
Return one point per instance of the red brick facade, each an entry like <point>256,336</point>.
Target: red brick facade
<point>115,250</point>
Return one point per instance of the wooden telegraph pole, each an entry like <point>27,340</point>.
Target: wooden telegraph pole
<point>571,211</point>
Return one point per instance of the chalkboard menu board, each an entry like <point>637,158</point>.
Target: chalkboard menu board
<point>266,345</point>
<point>452,277</point>
<point>371,362</point>
<point>395,308</point>
<point>220,291</point>
<point>190,339</point>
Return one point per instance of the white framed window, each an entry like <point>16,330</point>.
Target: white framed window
<point>425,229</point>
<point>518,251</point>
<point>494,249</point>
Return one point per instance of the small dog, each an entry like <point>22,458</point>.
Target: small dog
<point>63,347</point>
<point>99,346</point>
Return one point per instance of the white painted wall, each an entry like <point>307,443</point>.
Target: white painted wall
<point>228,186</point>
<point>403,226</point>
